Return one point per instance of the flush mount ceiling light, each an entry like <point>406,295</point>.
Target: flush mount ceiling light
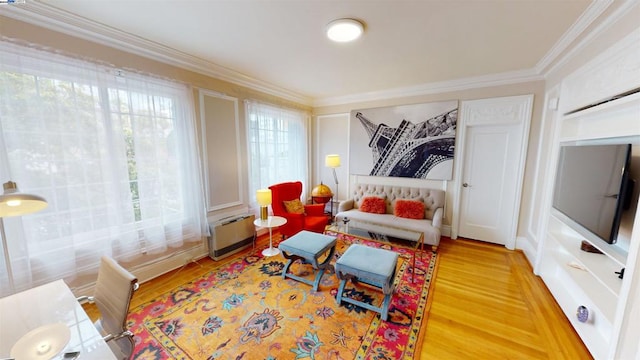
<point>344,30</point>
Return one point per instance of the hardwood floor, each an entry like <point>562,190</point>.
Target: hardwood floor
<point>486,304</point>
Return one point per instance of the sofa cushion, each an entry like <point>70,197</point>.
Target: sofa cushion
<point>432,198</point>
<point>390,224</point>
<point>373,204</point>
<point>410,209</point>
<point>294,206</point>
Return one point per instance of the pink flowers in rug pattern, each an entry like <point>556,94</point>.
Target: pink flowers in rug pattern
<point>325,312</point>
<point>260,326</point>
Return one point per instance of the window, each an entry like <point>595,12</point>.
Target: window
<point>115,156</point>
<point>278,149</point>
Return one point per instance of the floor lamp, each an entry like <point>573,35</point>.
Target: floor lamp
<point>333,161</point>
<point>15,203</point>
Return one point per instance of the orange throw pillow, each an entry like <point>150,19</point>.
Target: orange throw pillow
<point>410,209</point>
<point>373,204</point>
<point>294,206</point>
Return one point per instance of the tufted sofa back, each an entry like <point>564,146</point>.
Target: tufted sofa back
<point>431,198</point>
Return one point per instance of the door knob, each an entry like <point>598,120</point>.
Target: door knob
<point>465,185</point>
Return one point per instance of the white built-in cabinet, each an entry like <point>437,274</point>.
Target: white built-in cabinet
<point>574,277</point>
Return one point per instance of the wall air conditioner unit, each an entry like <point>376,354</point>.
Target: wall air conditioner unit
<point>231,235</point>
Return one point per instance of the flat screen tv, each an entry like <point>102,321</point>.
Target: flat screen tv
<point>591,186</point>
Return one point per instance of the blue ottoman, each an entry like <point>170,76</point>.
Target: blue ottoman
<point>308,247</point>
<point>376,267</point>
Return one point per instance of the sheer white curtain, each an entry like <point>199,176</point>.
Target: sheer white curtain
<point>278,146</point>
<point>113,153</point>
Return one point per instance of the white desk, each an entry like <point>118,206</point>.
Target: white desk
<point>49,304</point>
<point>271,222</point>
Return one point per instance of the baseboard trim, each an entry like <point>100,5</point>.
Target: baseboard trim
<point>528,248</point>
<point>446,230</point>
<point>150,271</point>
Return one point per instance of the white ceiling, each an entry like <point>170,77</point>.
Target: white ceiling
<point>281,45</point>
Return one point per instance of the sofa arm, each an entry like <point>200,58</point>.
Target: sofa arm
<point>436,222</point>
<point>345,205</point>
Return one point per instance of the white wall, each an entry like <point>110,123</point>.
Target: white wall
<point>331,137</point>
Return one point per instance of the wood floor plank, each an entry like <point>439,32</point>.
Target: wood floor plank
<point>488,304</point>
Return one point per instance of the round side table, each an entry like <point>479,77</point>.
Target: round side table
<point>271,222</point>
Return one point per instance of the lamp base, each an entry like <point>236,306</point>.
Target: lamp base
<point>264,213</point>
<point>270,251</point>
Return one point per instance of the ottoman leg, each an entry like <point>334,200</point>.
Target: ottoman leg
<point>316,283</point>
<point>387,289</point>
<point>354,265</point>
<point>385,307</point>
<point>340,290</point>
<point>323,266</point>
<point>286,268</point>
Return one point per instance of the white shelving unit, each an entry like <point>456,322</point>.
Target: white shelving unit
<point>578,278</point>
<point>603,266</point>
<point>594,273</point>
<point>575,277</point>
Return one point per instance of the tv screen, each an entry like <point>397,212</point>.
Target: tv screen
<point>590,186</point>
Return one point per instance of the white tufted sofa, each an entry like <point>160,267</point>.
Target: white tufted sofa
<point>392,225</point>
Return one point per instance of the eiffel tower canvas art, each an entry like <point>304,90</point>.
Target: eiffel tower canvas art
<point>412,141</point>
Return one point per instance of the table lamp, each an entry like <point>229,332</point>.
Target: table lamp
<point>15,203</point>
<point>263,197</point>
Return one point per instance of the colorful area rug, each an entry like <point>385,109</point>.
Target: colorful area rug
<point>245,310</point>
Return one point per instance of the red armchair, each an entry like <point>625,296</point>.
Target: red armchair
<point>313,219</point>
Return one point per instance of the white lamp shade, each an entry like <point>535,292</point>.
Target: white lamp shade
<point>263,197</point>
<point>332,161</point>
<point>344,30</point>
<point>14,203</point>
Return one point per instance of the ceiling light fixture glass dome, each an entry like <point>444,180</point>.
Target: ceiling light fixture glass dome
<point>344,30</point>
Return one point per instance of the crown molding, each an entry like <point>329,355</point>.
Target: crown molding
<point>49,17</point>
<point>538,72</point>
<point>595,9</point>
<point>615,16</point>
<point>507,78</point>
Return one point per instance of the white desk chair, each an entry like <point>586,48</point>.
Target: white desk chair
<point>113,293</point>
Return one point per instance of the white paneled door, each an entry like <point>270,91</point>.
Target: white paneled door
<point>491,161</point>
<point>494,144</point>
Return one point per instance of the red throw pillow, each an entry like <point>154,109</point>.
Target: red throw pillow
<point>373,204</point>
<point>410,209</point>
